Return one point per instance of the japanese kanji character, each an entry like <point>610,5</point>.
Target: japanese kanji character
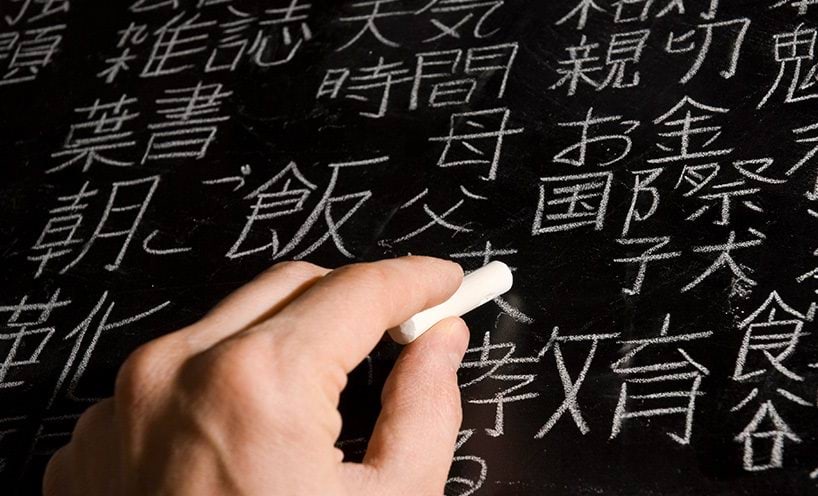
<point>369,20</point>
<point>68,398</point>
<point>684,121</point>
<point>581,201</point>
<point>284,194</point>
<point>657,382</point>
<point>624,49</point>
<point>682,44</point>
<point>379,78</point>
<point>47,8</point>
<point>29,52</point>
<point>104,130</point>
<point>283,200</point>
<point>773,438</point>
<point>27,333</point>
<point>440,218</point>
<point>469,470</point>
<point>794,49</point>
<point>251,35</point>
<point>191,122</point>
<point>581,11</point>
<point>571,387</point>
<point>442,67</point>
<point>652,254</point>
<point>121,218</point>
<point>576,69</point>
<point>60,232</point>
<point>725,259</point>
<point>465,9</point>
<point>770,338</point>
<point>492,362</point>
<point>176,42</point>
<point>476,138</point>
<point>722,194</point>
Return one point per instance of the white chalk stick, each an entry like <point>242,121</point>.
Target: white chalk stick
<point>478,287</point>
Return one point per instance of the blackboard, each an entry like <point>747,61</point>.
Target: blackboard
<point>647,167</point>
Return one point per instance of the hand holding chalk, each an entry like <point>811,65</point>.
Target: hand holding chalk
<point>478,287</point>
<point>269,364</point>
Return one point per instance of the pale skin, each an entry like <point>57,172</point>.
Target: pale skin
<point>245,401</point>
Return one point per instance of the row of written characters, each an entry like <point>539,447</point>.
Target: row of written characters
<point>662,376</point>
<point>691,159</point>
<point>218,36</point>
<point>184,42</point>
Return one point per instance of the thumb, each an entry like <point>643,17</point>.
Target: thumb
<point>412,445</point>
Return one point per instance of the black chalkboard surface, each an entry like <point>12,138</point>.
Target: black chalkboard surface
<point>648,167</point>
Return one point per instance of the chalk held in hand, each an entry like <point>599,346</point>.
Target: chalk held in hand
<point>478,287</point>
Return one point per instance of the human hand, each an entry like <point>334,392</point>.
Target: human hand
<point>244,401</point>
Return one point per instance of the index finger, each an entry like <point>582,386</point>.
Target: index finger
<point>343,316</point>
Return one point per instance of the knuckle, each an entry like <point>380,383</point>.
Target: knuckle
<point>54,478</point>
<point>232,368</point>
<point>139,369</point>
<point>296,269</point>
<point>366,274</point>
<point>92,417</point>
